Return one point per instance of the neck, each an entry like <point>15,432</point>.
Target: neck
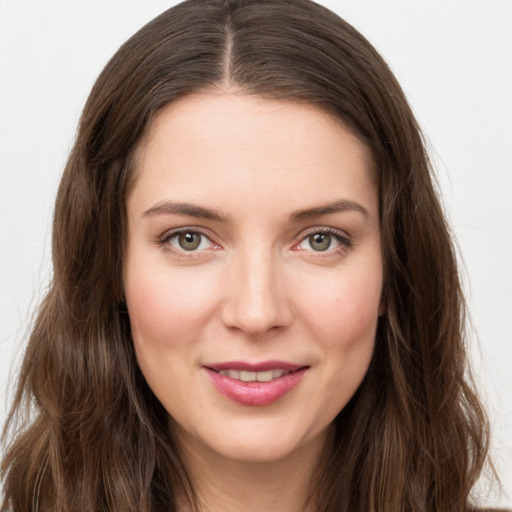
<point>226,485</point>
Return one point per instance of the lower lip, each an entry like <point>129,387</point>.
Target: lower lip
<point>255,393</point>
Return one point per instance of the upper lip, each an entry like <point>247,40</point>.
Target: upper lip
<point>255,367</point>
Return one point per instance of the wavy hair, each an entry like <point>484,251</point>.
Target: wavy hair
<point>89,435</point>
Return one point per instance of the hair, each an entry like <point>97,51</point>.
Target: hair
<point>90,434</point>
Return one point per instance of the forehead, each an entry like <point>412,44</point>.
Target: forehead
<point>224,146</point>
<point>198,116</point>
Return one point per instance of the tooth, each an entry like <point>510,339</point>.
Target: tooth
<point>265,376</point>
<point>247,376</point>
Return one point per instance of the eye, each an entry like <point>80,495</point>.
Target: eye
<point>188,241</point>
<point>323,241</point>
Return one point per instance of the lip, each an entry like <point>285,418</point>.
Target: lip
<point>255,393</point>
<point>254,367</point>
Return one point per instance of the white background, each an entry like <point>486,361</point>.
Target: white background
<point>453,59</point>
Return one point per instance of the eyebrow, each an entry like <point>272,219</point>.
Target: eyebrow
<point>342,205</point>
<point>191,210</point>
<point>178,208</point>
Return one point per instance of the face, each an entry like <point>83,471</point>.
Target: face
<point>253,275</point>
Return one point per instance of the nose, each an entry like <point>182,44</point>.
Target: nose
<point>257,298</point>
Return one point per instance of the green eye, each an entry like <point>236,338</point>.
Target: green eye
<point>189,241</point>
<point>320,241</point>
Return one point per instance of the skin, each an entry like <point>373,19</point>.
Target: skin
<point>256,288</point>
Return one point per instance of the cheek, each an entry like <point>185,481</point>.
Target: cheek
<point>346,323</point>
<point>342,318</point>
<point>344,311</point>
<point>166,308</point>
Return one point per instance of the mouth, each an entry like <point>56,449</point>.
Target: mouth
<point>255,384</point>
<point>248,376</point>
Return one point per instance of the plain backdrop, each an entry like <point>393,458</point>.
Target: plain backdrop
<point>454,61</point>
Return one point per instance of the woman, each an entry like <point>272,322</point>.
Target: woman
<point>255,299</point>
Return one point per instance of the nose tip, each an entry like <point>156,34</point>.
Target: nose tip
<point>256,299</point>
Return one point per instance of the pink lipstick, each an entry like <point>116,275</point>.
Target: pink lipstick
<point>255,384</point>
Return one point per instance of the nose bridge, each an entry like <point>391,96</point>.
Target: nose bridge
<point>256,299</point>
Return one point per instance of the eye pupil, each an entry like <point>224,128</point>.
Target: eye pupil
<point>189,241</point>
<point>320,241</point>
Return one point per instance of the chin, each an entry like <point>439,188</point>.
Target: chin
<point>258,443</point>
<point>258,451</point>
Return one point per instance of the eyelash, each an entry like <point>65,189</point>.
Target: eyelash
<point>340,236</point>
<point>343,239</point>
<point>164,240</point>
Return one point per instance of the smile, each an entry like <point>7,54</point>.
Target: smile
<point>255,384</point>
<point>247,376</point>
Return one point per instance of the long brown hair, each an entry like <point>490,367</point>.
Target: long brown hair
<point>90,434</point>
